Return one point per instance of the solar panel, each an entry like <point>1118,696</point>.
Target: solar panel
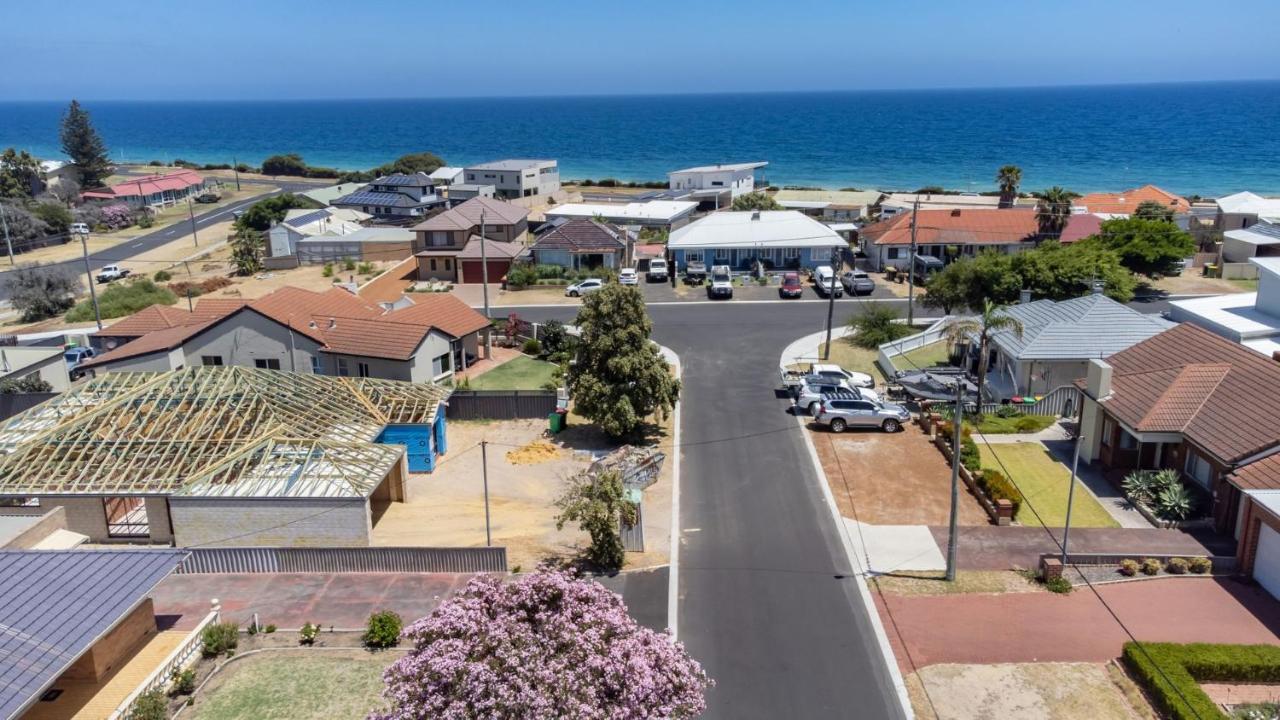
<point>307,218</point>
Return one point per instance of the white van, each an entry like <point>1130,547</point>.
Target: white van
<point>825,281</point>
<point>79,229</point>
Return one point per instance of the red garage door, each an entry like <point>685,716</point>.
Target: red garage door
<point>472,273</point>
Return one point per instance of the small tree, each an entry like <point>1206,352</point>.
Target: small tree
<point>23,224</point>
<point>877,325</point>
<point>1053,210</point>
<point>1147,247</point>
<point>81,143</point>
<point>545,645</point>
<point>39,292</point>
<point>55,215</point>
<point>620,377</point>
<point>598,503</point>
<point>1152,210</point>
<point>755,201</point>
<point>290,164</point>
<point>992,320</point>
<point>20,173</point>
<point>383,630</point>
<point>1008,177</point>
<point>247,249</point>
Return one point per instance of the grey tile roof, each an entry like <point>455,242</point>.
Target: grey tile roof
<point>401,180</point>
<point>386,199</point>
<point>54,604</point>
<point>1093,326</point>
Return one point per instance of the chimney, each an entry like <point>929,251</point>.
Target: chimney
<point>333,323</point>
<point>312,325</point>
<point>755,214</point>
<point>1024,296</point>
<point>1098,380</point>
<point>1275,355</point>
<point>955,212</point>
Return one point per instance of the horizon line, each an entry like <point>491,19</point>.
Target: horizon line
<point>691,93</point>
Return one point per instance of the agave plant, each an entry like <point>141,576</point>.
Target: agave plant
<point>1140,486</point>
<point>1174,502</point>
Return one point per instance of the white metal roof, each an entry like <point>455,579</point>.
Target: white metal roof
<point>659,210</point>
<point>1251,203</point>
<point>727,167</point>
<point>1268,499</point>
<point>511,164</point>
<point>446,173</point>
<point>804,204</point>
<point>19,359</point>
<point>937,201</point>
<point>1235,314</point>
<point>1258,234</point>
<point>767,229</point>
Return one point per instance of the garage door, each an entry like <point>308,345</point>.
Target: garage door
<point>472,270</point>
<point>1266,566</point>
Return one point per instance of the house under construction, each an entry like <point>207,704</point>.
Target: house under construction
<point>223,455</point>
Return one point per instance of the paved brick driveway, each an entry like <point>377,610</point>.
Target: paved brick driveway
<point>343,600</point>
<point>1043,627</point>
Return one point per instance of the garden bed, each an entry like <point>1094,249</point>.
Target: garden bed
<point>1171,673</point>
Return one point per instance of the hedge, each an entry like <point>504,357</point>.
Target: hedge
<point>1177,692</point>
<point>998,487</point>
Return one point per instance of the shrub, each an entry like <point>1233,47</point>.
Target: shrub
<point>55,215</point>
<point>1008,411</point>
<point>532,347</point>
<point>998,487</point>
<point>1172,673</point>
<point>1176,566</point>
<point>149,706</point>
<point>145,220</point>
<point>162,276</point>
<point>1200,565</point>
<point>520,276</point>
<point>383,630</point>
<point>1174,502</point>
<point>308,634</point>
<point>327,270</point>
<point>1027,423</point>
<point>269,629</point>
<point>1059,585</point>
<point>123,298</point>
<point>365,268</point>
<point>348,264</point>
<point>184,681</point>
<point>39,292</point>
<point>1150,566</point>
<point>545,271</point>
<point>219,638</point>
<point>555,339</point>
<point>1128,567</point>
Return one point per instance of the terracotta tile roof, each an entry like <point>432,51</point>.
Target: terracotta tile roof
<point>1127,201</point>
<point>467,215</point>
<point>440,310</point>
<point>154,341</point>
<point>298,308</point>
<point>976,226</point>
<point>390,285</point>
<point>367,337</point>
<point>1262,474</point>
<point>156,317</point>
<point>217,307</point>
<point>1080,226</point>
<point>581,236</point>
<point>1219,394</point>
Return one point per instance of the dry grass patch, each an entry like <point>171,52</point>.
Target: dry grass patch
<point>966,582</point>
<point>1028,691</point>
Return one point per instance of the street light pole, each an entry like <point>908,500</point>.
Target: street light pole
<point>911,268</point>
<point>831,308</point>
<point>958,422</point>
<point>192,214</point>
<point>484,471</point>
<point>235,168</point>
<point>88,276</point>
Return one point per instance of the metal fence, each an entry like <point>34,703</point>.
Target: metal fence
<point>342,560</point>
<point>500,404</point>
<point>1060,402</point>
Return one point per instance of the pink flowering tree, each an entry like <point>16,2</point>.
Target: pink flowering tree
<point>547,645</point>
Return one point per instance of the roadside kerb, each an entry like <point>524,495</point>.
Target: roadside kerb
<point>673,571</point>
<point>793,351</point>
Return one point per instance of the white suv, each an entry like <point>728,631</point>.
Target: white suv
<point>825,282</point>
<point>657,270</point>
<point>721,282</point>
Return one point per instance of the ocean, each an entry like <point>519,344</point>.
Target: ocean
<point>1203,138</point>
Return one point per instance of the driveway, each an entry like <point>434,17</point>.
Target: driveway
<point>1044,627</point>
<point>892,478</point>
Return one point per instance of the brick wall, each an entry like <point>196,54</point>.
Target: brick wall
<point>286,522</point>
<point>117,646</point>
<point>1253,520</point>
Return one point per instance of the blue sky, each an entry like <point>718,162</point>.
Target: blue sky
<point>235,49</point>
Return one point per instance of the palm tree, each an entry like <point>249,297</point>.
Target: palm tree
<point>1053,210</point>
<point>1008,177</point>
<point>991,320</point>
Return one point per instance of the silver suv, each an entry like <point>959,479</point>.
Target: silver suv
<point>810,394</point>
<point>839,413</point>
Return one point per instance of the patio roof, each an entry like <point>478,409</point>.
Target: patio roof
<point>212,431</point>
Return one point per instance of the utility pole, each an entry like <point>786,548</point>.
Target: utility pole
<point>911,267</point>
<point>1071,488</point>
<point>7,242</point>
<point>88,276</point>
<point>484,265</point>
<point>831,308</point>
<point>235,168</point>
<point>957,422</point>
<point>484,471</point>
<point>192,214</point>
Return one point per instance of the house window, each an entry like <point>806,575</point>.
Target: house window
<point>441,365</point>
<point>344,370</point>
<point>1127,441</point>
<point>692,256</point>
<point>892,254</point>
<point>820,254</point>
<point>433,266</point>
<point>722,253</point>
<point>438,238</point>
<point>211,360</point>
<point>267,363</point>
<point>1199,469</point>
<point>362,369</point>
<point>126,517</point>
<point>317,365</point>
<point>790,253</point>
<point>20,502</point>
<point>448,263</point>
<point>717,183</point>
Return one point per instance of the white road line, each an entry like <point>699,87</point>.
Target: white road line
<point>673,572</point>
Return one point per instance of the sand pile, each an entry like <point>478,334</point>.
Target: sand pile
<point>538,451</point>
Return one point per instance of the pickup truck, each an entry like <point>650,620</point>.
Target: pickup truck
<point>721,282</point>
<point>657,270</point>
<point>112,272</point>
<point>75,357</point>
<point>795,375</point>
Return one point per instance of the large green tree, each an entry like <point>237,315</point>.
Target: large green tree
<point>755,201</point>
<point>39,292</point>
<point>268,211</point>
<point>1147,247</point>
<point>598,505</point>
<point>1008,178</point>
<point>81,143</point>
<point>1153,210</point>
<point>19,174</point>
<point>990,320</point>
<point>416,162</point>
<point>619,377</point>
<point>1053,210</point>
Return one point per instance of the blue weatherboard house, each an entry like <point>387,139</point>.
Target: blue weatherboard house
<point>422,442</point>
<point>780,239</point>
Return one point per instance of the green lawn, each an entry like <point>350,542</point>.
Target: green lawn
<point>1043,481</point>
<point>995,425</point>
<point>932,354</point>
<point>853,358</point>
<point>295,686</point>
<point>522,373</point>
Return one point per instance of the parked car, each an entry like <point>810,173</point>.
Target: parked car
<point>695,273</point>
<point>857,282</point>
<point>209,196</point>
<point>78,229</point>
<point>797,375</point>
<point>74,357</point>
<point>589,285</point>
<point>810,395</point>
<point>721,282</point>
<point>628,276</point>
<point>839,413</point>
<point>112,272</point>
<point>826,283</point>
<point>657,270</point>
<point>790,287</point>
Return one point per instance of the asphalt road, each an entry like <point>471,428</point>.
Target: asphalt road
<point>766,602</point>
<point>121,253</point>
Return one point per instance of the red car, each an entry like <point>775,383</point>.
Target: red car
<point>791,287</point>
